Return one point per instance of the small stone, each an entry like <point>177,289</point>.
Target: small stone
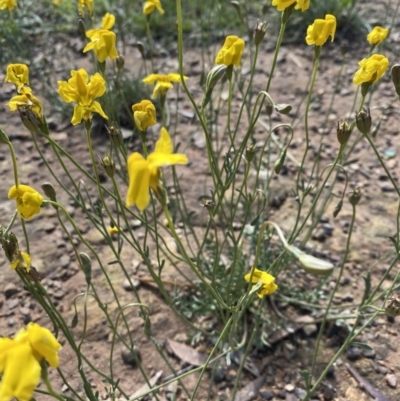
<point>10,290</point>
<point>391,380</point>
<point>300,393</point>
<point>130,358</point>
<point>266,395</point>
<point>369,353</point>
<point>387,187</point>
<point>65,260</point>
<point>282,394</point>
<point>353,353</point>
<point>12,303</point>
<point>126,285</point>
<point>349,297</point>
<point>289,388</point>
<point>26,313</point>
<point>290,397</point>
<point>10,322</point>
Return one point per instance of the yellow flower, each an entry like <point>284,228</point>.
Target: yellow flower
<point>144,114</point>
<point>377,35</point>
<point>103,40</point>
<point>17,74</point>
<point>113,230</point>
<point>22,260</point>
<point>28,200</point>
<point>20,359</point>
<point>231,52</point>
<point>85,3</point>
<point>163,82</point>
<point>57,2</point>
<point>26,99</point>
<point>145,173</point>
<point>8,4</point>
<point>371,70</point>
<point>284,4</point>
<point>320,30</point>
<point>150,5</point>
<point>268,282</point>
<point>83,91</point>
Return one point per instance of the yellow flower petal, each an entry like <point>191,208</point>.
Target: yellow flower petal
<point>377,35</point>
<point>28,200</point>
<point>144,114</point>
<point>231,52</point>
<point>44,343</point>
<point>17,74</point>
<point>267,280</point>
<point>320,30</point>
<point>372,69</point>
<point>139,181</point>
<point>108,21</point>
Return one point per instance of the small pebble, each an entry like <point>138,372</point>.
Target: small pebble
<point>369,353</point>
<point>128,287</point>
<point>12,303</point>
<point>129,358</point>
<point>289,388</point>
<point>353,353</point>
<point>391,380</point>
<point>10,290</point>
<point>300,393</point>
<point>266,395</point>
<point>282,394</point>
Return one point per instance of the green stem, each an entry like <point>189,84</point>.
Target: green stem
<point>337,283</point>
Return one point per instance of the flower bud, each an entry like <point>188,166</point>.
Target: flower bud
<point>120,62</point>
<point>343,132</point>
<point>108,165</point>
<point>115,136</point>
<point>208,203</point>
<point>280,161</point>
<point>81,26</point>
<point>364,121</point>
<point>259,32</point>
<point>395,73</point>
<point>140,47</point>
<point>250,152</point>
<point>314,265</point>
<point>9,244</point>
<point>283,108</point>
<point>3,137</point>
<point>338,208</point>
<point>392,306</point>
<point>29,119</point>
<point>354,196</point>
<point>213,77</point>
<point>49,191</point>
<point>269,108</point>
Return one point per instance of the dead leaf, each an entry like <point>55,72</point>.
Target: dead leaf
<point>145,388</point>
<point>187,354</point>
<point>250,391</point>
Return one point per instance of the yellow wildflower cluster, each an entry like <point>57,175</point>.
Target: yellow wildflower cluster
<point>18,74</point>
<point>163,83</point>
<point>103,40</point>
<point>20,359</point>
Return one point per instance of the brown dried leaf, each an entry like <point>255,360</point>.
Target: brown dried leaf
<point>187,354</point>
<point>153,381</point>
<point>250,391</point>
